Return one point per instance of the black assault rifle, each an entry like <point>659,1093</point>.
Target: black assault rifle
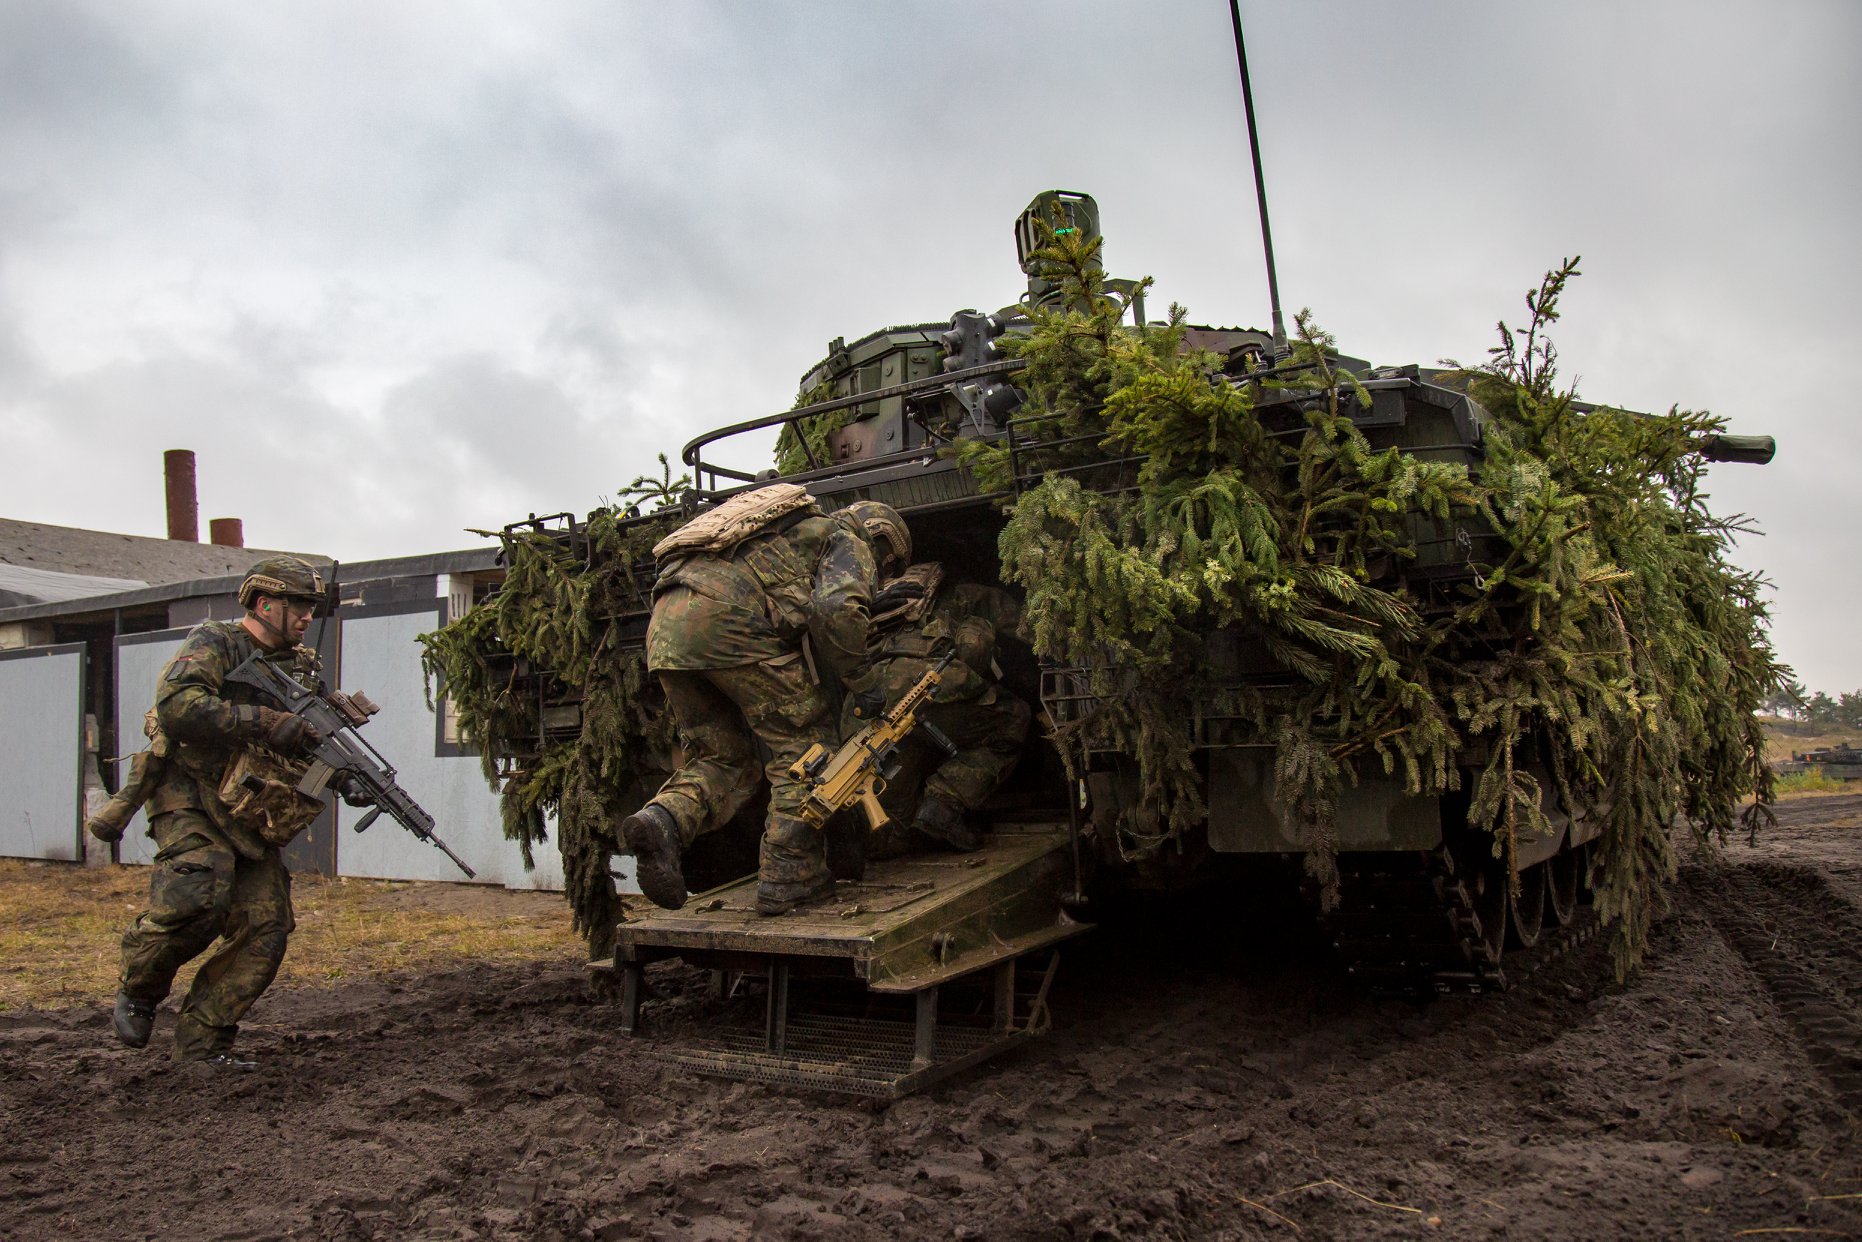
<point>343,753</point>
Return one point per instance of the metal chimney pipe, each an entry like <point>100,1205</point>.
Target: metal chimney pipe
<point>226,532</point>
<point>183,509</point>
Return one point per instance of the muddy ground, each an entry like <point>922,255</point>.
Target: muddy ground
<point>1240,1089</point>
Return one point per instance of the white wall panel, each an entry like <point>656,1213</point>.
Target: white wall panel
<point>382,658</point>
<point>140,659</point>
<point>41,752</point>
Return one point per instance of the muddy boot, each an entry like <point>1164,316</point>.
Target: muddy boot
<point>653,838</point>
<point>133,1020</point>
<point>780,898</point>
<point>793,868</point>
<point>944,821</point>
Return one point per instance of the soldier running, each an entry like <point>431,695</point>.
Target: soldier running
<point>759,623</point>
<point>216,874</point>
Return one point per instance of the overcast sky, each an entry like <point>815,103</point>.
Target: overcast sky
<point>394,270</point>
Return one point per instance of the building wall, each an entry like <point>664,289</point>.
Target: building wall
<point>41,752</point>
<point>139,662</point>
<point>381,658</point>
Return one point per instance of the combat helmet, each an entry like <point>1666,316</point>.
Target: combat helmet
<point>883,524</point>
<point>287,577</point>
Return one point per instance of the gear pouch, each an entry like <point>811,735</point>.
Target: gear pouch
<point>260,791</point>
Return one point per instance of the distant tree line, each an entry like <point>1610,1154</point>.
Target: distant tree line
<point>1794,702</point>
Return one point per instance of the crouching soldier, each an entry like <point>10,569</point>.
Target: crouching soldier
<point>218,871</point>
<point>917,619</point>
<point>760,622</point>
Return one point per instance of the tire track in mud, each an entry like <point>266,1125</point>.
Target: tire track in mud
<point>1804,941</point>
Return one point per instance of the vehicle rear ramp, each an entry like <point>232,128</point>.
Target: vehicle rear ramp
<point>929,964</point>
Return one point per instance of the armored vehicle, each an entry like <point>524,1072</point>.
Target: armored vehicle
<point>940,421</point>
<point>1841,762</point>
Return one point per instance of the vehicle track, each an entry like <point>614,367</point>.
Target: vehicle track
<point>1407,926</point>
<point>1804,941</point>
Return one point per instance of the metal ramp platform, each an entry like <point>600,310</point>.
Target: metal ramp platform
<point>930,964</point>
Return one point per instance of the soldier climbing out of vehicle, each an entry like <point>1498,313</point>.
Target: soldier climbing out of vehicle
<point>917,618</point>
<point>760,625</point>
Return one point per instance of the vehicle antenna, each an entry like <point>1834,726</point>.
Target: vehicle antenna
<point>1260,185</point>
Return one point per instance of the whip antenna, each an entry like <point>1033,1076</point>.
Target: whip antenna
<point>1260,184</point>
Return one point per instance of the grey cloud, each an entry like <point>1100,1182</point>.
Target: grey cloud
<point>75,68</point>
<point>480,412</point>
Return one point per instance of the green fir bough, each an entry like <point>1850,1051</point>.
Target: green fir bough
<point>1603,654</point>
<point>553,631</point>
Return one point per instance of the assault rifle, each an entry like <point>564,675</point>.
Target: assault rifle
<point>859,770</point>
<point>343,758</point>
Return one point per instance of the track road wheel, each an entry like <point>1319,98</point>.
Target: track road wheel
<point>1526,908</point>
<point>1590,860</point>
<point>1561,888</point>
<point>1486,881</point>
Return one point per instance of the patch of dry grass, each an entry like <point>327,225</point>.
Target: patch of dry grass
<point>60,926</point>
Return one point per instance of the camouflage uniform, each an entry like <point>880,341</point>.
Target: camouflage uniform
<point>986,723</point>
<point>214,876</point>
<point>726,642</point>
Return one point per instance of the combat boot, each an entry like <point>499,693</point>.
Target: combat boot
<point>792,866</point>
<point>653,838</point>
<point>133,1020</point>
<point>944,820</point>
<point>776,897</point>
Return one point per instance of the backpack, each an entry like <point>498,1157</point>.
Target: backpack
<point>721,529</point>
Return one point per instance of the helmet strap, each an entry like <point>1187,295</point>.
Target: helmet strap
<point>277,631</point>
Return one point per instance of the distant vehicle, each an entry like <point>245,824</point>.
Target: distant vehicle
<point>1841,762</point>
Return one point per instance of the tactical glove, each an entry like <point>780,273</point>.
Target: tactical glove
<point>896,594</point>
<point>287,734</point>
<point>351,790</point>
<point>868,704</point>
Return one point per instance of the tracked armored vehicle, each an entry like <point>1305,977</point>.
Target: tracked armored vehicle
<point>1841,762</point>
<point>1419,901</point>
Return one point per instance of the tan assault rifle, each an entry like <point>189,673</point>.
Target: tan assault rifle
<point>859,770</point>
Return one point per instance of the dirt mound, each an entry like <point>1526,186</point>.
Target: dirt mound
<point>1242,1089</point>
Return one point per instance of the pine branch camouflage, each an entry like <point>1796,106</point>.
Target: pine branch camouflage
<point>1596,650</point>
